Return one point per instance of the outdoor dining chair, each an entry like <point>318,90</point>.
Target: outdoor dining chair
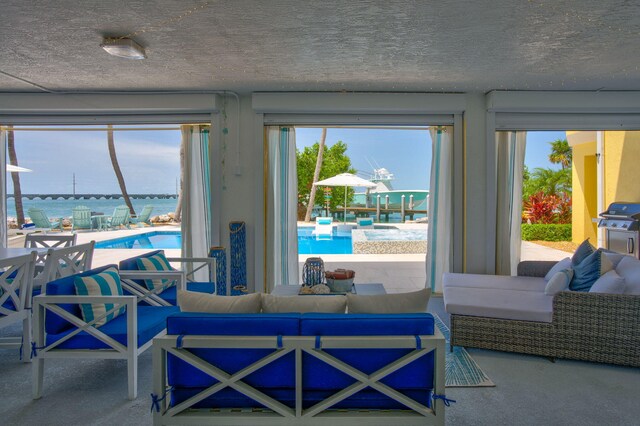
<point>62,262</point>
<point>37,241</point>
<point>16,278</point>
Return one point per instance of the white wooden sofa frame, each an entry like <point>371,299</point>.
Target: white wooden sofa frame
<point>129,352</point>
<point>278,414</point>
<point>17,289</point>
<point>128,279</point>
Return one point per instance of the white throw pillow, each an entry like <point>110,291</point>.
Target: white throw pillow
<point>610,282</point>
<point>191,301</point>
<point>400,303</point>
<point>559,282</point>
<point>334,304</point>
<point>563,264</point>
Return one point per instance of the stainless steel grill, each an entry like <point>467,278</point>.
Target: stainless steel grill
<point>621,222</point>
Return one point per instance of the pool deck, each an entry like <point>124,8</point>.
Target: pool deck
<point>397,272</point>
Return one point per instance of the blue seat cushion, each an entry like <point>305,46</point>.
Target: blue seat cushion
<point>278,374</point>
<point>151,321</point>
<point>318,375</point>
<point>65,287</point>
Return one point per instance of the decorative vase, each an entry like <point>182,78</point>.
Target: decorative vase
<point>313,271</point>
<point>238,258</point>
<point>220,254</point>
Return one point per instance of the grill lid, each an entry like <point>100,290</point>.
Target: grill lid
<point>622,210</point>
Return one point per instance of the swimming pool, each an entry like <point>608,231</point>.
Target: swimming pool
<point>148,240</point>
<point>337,243</point>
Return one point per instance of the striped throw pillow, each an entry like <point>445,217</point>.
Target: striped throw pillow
<point>106,283</point>
<point>157,262</point>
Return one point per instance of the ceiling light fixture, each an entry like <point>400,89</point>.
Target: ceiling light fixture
<point>123,48</point>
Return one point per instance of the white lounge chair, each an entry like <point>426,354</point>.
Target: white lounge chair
<point>365,223</point>
<point>324,226</point>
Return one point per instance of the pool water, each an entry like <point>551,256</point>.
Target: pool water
<point>148,240</point>
<point>337,243</point>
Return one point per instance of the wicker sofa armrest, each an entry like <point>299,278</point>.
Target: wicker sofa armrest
<point>535,268</point>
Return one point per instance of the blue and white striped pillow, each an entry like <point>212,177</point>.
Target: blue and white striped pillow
<point>106,283</point>
<point>157,262</point>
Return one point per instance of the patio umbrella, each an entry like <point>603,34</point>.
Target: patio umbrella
<point>12,168</point>
<point>345,179</point>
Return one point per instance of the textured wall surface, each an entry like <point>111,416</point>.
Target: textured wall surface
<point>288,45</point>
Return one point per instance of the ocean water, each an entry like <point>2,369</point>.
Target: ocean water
<point>62,208</point>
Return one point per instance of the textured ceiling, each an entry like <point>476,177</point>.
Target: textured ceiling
<point>302,45</point>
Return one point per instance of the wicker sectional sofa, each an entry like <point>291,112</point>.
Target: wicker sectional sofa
<point>595,327</point>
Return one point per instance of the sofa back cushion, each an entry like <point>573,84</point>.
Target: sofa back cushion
<point>398,303</point>
<point>191,301</point>
<point>629,269</point>
<point>303,304</point>
<point>317,375</point>
<point>278,374</point>
<point>610,282</point>
<point>589,270</point>
<point>66,287</point>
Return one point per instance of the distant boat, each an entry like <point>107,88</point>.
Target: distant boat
<point>382,177</point>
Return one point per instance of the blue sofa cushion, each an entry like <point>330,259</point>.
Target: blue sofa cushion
<point>131,264</point>
<point>279,374</point>
<point>65,287</point>
<point>151,321</point>
<point>581,253</point>
<point>317,375</point>
<point>589,270</point>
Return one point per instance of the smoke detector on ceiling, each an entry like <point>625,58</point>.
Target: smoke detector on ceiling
<point>123,48</point>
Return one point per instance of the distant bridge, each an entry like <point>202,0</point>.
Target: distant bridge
<point>96,196</point>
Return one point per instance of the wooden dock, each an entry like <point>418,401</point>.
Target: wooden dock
<point>371,212</point>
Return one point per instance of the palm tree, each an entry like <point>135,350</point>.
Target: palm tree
<point>551,182</point>
<point>316,175</point>
<point>116,169</point>
<point>177,216</point>
<point>17,191</point>
<point>560,153</point>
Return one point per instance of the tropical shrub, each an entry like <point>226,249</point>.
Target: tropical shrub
<point>543,208</point>
<point>546,232</point>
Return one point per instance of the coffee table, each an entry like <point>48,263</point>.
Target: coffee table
<point>361,289</point>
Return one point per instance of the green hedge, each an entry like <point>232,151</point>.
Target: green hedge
<point>546,232</point>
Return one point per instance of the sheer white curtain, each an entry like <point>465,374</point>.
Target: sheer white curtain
<point>511,149</point>
<point>196,195</point>
<point>282,207</point>
<point>439,211</point>
<point>3,187</point>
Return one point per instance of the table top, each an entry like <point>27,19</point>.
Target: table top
<point>361,289</point>
<point>7,253</point>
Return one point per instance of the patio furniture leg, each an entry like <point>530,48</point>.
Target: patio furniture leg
<point>38,362</point>
<point>26,339</point>
<point>132,374</point>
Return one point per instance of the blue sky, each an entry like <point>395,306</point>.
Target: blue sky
<point>407,153</point>
<point>150,159</point>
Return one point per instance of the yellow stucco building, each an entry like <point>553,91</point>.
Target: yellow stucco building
<point>606,168</point>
